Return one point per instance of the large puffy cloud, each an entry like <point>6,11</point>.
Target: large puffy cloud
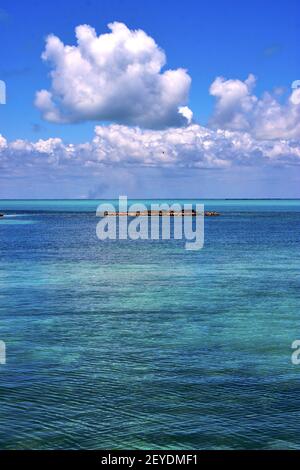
<point>113,77</point>
<point>234,102</point>
<point>119,146</point>
<point>237,108</point>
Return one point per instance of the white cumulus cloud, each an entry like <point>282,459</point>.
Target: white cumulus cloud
<point>113,77</point>
<point>237,108</point>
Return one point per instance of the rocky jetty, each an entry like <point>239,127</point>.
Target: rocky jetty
<point>211,213</point>
<point>162,213</point>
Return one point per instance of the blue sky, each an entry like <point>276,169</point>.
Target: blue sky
<point>229,39</point>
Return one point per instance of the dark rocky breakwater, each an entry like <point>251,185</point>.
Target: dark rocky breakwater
<point>161,213</point>
<point>211,213</point>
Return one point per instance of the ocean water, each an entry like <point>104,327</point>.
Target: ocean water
<point>142,344</point>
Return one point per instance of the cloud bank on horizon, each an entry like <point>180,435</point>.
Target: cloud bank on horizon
<point>117,77</point>
<point>193,146</point>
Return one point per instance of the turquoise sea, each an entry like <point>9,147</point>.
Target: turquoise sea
<point>142,344</point>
